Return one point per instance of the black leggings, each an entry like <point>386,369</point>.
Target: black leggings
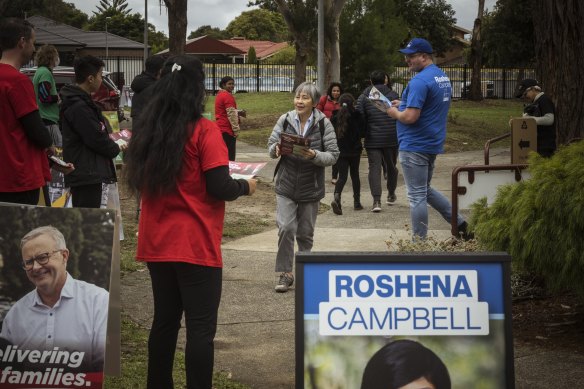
<point>230,143</point>
<point>30,197</point>
<point>180,287</point>
<point>346,165</point>
<point>86,196</point>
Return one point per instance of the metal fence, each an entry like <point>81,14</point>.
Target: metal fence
<point>495,82</point>
<point>254,77</point>
<point>124,69</point>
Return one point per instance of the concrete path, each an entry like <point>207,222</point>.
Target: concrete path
<point>255,337</point>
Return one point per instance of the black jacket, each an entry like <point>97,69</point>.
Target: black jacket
<point>381,130</point>
<point>140,98</point>
<point>86,142</point>
<point>546,135</point>
<point>350,142</point>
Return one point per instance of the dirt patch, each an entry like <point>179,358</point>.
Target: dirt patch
<point>550,321</point>
<point>250,215</point>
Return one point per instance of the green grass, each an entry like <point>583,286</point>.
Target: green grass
<point>263,109</point>
<point>471,124</point>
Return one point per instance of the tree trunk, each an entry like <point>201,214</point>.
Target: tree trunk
<point>332,53</point>
<point>301,41</point>
<point>476,56</point>
<point>559,43</point>
<point>177,25</point>
<point>300,62</point>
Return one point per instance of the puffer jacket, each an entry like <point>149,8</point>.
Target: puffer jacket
<point>297,178</point>
<point>86,142</point>
<point>381,131</point>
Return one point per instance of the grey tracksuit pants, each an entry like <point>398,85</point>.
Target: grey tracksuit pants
<point>294,220</point>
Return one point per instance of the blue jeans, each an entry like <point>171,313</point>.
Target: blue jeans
<point>417,169</point>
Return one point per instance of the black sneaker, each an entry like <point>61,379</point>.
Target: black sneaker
<point>284,283</point>
<point>337,210</point>
<point>376,206</point>
<point>357,206</point>
<point>463,232</point>
<point>391,198</point>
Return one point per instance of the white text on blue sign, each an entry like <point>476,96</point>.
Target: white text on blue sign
<point>405,302</point>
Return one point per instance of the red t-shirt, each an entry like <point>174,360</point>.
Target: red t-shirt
<point>24,166</point>
<point>224,100</point>
<point>187,226</point>
<point>327,106</point>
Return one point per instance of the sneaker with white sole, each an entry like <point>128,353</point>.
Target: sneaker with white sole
<point>376,206</point>
<point>284,283</point>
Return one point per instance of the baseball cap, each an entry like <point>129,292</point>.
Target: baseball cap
<point>524,85</point>
<point>417,45</point>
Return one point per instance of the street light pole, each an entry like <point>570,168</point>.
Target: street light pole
<point>320,44</point>
<point>145,31</point>
<point>106,43</point>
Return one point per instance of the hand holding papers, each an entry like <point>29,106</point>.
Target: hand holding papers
<point>293,144</point>
<point>379,100</point>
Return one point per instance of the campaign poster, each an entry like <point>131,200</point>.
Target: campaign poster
<point>361,319</point>
<point>55,283</point>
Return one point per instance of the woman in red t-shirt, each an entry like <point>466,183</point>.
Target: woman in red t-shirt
<point>227,115</point>
<point>328,104</point>
<point>178,162</point>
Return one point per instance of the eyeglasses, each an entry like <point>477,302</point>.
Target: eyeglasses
<point>41,259</point>
<point>411,56</point>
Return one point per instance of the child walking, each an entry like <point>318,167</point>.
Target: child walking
<point>349,127</point>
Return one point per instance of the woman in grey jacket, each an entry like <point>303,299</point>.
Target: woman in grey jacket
<point>300,177</point>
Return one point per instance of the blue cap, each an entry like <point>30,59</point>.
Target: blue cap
<point>417,45</point>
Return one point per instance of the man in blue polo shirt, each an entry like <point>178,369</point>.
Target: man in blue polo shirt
<point>421,129</point>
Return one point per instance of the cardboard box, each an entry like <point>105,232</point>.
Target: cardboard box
<point>523,139</point>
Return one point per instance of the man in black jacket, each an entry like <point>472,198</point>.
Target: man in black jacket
<point>541,108</point>
<point>142,82</point>
<point>380,140</point>
<point>86,140</point>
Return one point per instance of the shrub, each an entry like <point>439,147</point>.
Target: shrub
<point>540,222</point>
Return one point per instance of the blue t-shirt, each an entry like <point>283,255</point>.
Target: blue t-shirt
<point>430,91</point>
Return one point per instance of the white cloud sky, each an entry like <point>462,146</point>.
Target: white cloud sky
<point>218,13</point>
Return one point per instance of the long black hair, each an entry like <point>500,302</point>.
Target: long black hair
<point>343,115</point>
<point>155,154</point>
<point>402,361</point>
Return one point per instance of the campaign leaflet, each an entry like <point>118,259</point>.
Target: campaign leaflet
<point>293,144</point>
<point>121,137</point>
<point>378,99</point>
<point>245,170</point>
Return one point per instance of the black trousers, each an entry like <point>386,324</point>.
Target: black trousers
<point>30,197</point>
<point>346,165</point>
<point>86,196</point>
<point>230,143</point>
<point>180,287</point>
<point>335,170</point>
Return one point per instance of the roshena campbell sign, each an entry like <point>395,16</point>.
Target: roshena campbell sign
<point>361,312</point>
